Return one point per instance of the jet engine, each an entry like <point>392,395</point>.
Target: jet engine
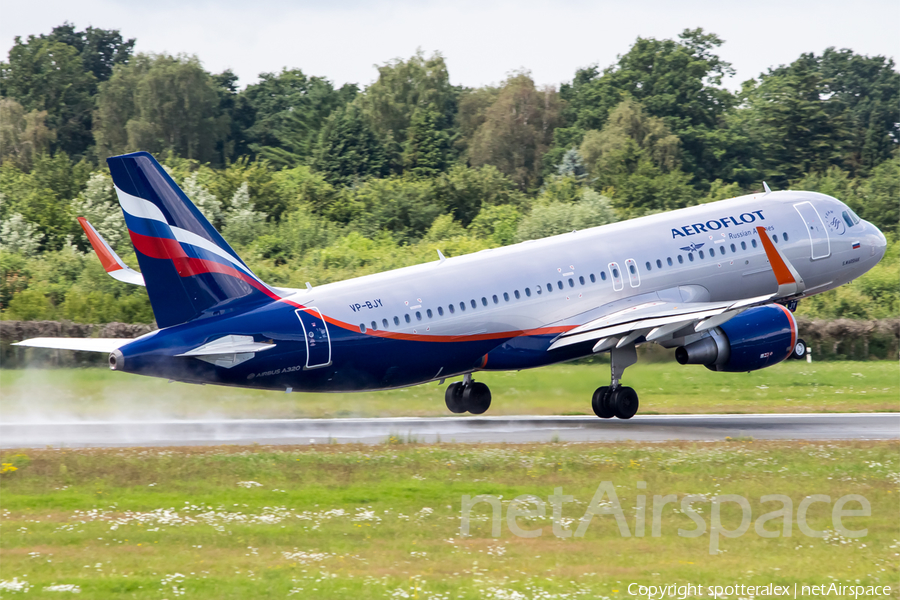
<point>757,338</point>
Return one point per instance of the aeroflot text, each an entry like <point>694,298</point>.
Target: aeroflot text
<point>716,224</point>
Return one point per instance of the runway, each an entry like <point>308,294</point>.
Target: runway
<point>509,429</point>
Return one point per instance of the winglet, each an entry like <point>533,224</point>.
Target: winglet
<point>108,257</point>
<point>789,281</point>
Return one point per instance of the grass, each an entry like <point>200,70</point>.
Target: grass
<point>347,521</point>
<point>664,388</point>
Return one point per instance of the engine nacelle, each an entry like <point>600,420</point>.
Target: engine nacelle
<point>755,339</point>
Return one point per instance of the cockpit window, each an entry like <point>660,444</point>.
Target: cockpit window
<point>854,217</point>
<point>847,218</point>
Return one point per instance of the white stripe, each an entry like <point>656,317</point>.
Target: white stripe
<point>138,207</point>
<point>144,209</point>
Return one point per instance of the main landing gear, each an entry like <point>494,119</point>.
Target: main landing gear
<point>468,396</point>
<point>616,400</point>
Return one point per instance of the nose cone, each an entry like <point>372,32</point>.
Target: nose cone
<point>879,242</point>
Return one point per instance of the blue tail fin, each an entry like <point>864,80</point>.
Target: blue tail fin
<point>190,271</point>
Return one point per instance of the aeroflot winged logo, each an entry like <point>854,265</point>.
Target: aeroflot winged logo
<point>693,247</point>
<point>716,224</point>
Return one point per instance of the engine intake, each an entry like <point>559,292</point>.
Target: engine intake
<point>757,338</point>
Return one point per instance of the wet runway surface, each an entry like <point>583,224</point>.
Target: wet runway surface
<point>515,429</point>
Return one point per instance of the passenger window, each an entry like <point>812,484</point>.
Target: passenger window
<point>701,254</point>
<point>406,317</point>
<point>669,261</point>
<point>362,327</point>
<point>483,301</point>
<point>537,288</point>
<point>451,309</point>
<point>516,294</point>
<point>505,296</point>
<point>528,292</point>
<point>658,264</point>
<point>385,323</point>
<point>743,245</point>
<point>581,279</point>
<point>429,313</point>
<point>648,265</point>
<point>775,238</point>
<point>617,278</point>
<point>615,272</point>
<point>753,243</point>
<point>733,249</point>
<point>784,236</point>
<point>571,282</point>
<point>593,279</point>
<point>374,326</point>
<point>441,311</point>
<point>559,284</point>
<point>712,251</point>
<point>603,275</point>
<point>462,306</point>
<point>494,298</point>
<point>680,260</point>
<point>473,303</point>
<point>418,316</point>
<point>691,256</point>
<point>396,321</point>
<point>631,269</point>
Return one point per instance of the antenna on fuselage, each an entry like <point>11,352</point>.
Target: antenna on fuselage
<point>766,187</point>
<point>441,257</point>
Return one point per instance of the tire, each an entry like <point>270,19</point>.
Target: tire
<point>799,350</point>
<point>476,398</point>
<point>624,402</point>
<point>453,398</point>
<point>600,403</point>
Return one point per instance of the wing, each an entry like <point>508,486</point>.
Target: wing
<point>114,265</point>
<point>655,321</point>
<point>661,319</point>
<point>82,344</point>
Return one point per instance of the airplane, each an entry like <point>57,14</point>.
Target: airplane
<point>717,282</point>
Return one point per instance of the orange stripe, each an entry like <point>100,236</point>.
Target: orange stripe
<point>106,259</point>
<point>782,273</point>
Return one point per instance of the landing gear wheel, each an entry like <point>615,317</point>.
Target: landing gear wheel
<point>799,350</point>
<point>600,403</point>
<point>453,397</point>
<point>476,398</point>
<point>624,401</point>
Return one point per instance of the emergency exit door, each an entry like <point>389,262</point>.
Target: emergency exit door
<point>820,245</point>
<point>315,332</point>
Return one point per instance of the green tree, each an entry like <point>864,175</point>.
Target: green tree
<point>22,135</point>
<point>517,130</point>
<point>465,191</point>
<point>284,112</point>
<point>46,75</point>
<point>100,49</point>
<point>788,116</point>
<point>348,149</point>
<point>553,217</point>
<point>425,151</point>
<point>678,81</point>
<point>404,87</point>
<point>160,103</point>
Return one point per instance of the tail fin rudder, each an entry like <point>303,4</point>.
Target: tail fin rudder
<point>189,269</point>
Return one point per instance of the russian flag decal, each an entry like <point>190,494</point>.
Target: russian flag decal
<point>856,245</point>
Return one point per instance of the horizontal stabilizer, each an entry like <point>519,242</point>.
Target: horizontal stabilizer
<point>228,351</point>
<point>114,265</point>
<point>81,344</point>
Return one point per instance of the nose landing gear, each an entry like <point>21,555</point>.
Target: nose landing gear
<point>468,396</point>
<point>616,400</point>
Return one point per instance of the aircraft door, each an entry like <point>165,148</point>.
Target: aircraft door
<point>616,276</point>
<point>815,227</point>
<point>318,341</point>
